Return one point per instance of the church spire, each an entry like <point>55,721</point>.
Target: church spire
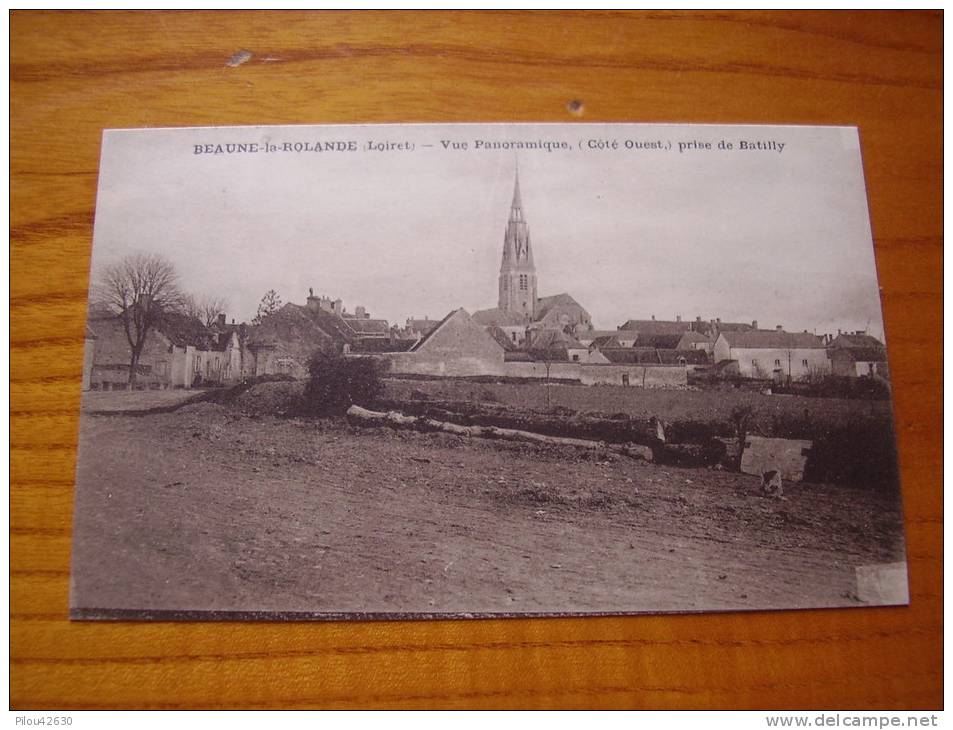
<point>516,209</point>
<point>517,271</point>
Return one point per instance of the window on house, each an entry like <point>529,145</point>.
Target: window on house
<point>777,363</point>
<point>514,336</point>
<point>804,363</point>
<point>575,358</point>
<point>625,378</point>
<point>524,282</point>
<point>754,363</point>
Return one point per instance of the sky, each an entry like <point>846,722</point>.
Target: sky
<point>781,237</point>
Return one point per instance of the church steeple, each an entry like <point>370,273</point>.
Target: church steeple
<point>517,271</point>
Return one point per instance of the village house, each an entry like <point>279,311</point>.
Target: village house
<point>457,347</point>
<point>858,355</point>
<point>179,352</point>
<point>417,329</point>
<point>776,354</point>
<point>698,327</point>
<point>284,341</point>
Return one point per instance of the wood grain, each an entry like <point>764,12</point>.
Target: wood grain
<point>73,74</point>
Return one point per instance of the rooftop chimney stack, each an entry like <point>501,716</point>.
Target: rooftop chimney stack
<point>754,324</point>
<point>779,328</point>
<point>221,319</point>
<point>678,318</point>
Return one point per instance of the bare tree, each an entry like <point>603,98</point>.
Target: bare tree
<point>270,303</point>
<point>139,289</point>
<point>205,308</point>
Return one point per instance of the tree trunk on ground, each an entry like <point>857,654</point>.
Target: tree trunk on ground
<point>363,417</point>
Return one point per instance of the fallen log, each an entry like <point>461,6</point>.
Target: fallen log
<point>364,417</point>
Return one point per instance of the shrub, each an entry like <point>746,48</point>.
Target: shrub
<point>335,383</point>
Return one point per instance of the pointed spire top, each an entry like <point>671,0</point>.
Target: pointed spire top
<point>517,200</point>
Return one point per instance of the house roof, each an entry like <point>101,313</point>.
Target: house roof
<point>658,341</point>
<point>502,338</point>
<point>423,325</point>
<point>604,341</point>
<point>772,339</point>
<point>549,338</point>
<point>864,354</point>
<point>733,327</point>
<point>182,330</point>
<point>368,326</point>
<point>693,336</point>
<point>517,356</point>
<point>424,340</point>
<point>294,321</point>
<point>857,341</point>
<point>498,317</point>
<point>382,344</point>
<point>663,327</point>
<point>654,356</point>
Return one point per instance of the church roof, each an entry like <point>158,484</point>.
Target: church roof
<point>545,304</point>
<point>497,317</point>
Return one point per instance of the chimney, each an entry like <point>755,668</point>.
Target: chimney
<point>221,319</point>
<point>779,328</point>
<point>314,303</point>
<point>653,317</point>
<point>678,318</point>
<point>233,320</point>
<point>359,313</point>
<point>717,320</point>
<point>754,324</point>
<point>338,307</point>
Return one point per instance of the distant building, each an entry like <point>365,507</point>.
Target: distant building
<point>776,354</point>
<point>416,329</point>
<point>857,355</point>
<point>284,341</point>
<point>179,352</point>
<point>710,328</point>
<point>456,347</point>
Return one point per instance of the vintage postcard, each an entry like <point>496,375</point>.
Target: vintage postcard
<point>477,370</point>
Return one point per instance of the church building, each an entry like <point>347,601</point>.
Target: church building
<point>520,313</point>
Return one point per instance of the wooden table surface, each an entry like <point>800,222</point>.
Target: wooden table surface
<point>73,74</point>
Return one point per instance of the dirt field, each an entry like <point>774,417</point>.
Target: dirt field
<point>214,508</point>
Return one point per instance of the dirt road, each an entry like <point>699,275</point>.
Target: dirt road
<point>211,509</point>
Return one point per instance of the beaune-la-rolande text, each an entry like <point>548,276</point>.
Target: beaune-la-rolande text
<point>331,146</point>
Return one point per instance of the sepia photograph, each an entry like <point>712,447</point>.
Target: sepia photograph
<point>468,370</point>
